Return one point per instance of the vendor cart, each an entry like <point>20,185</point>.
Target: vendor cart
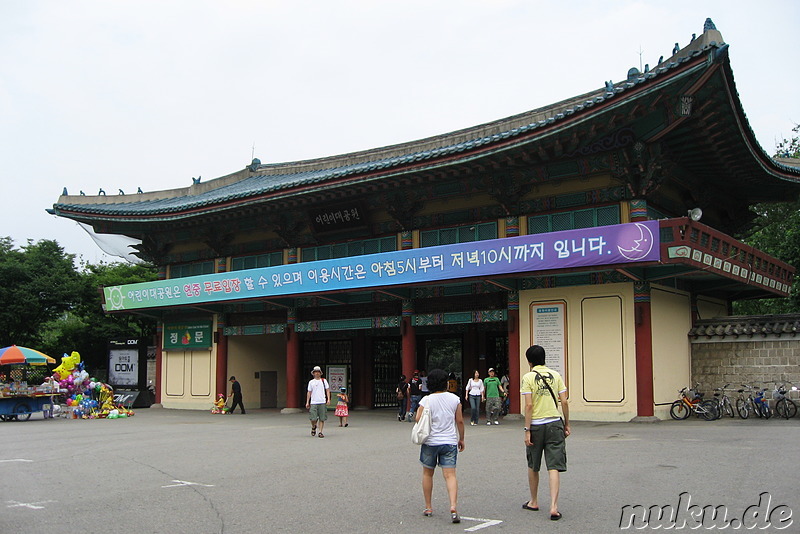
<point>20,407</point>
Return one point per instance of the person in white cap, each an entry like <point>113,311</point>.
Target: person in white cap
<point>317,399</point>
<point>494,400</point>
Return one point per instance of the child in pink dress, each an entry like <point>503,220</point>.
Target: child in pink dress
<point>341,407</point>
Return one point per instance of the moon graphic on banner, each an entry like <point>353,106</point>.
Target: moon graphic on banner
<point>636,243</point>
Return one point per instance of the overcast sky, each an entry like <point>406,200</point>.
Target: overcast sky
<point>119,94</point>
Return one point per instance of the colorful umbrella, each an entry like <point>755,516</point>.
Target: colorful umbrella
<point>15,354</point>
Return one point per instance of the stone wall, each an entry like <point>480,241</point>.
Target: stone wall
<point>760,361</point>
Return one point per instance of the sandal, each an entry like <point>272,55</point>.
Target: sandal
<point>321,435</point>
<point>313,431</point>
<point>427,512</point>
<point>454,516</point>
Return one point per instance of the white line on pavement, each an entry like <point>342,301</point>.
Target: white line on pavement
<point>185,483</point>
<point>31,505</point>
<point>484,523</point>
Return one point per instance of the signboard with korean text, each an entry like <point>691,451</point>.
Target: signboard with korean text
<point>549,329</point>
<point>127,363</point>
<point>187,336</point>
<point>602,245</point>
<point>339,217</point>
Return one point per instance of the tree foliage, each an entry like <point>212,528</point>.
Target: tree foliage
<point>51,305</point>
<point>38,283</point>
<point>777,232</point>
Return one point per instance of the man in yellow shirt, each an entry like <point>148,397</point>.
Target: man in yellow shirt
<point>547,432</point>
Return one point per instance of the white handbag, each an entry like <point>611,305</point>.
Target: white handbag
<point>422,428</point>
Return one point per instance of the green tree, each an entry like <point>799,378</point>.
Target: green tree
<point>38,283</point>
<point>776,231</point>
<point>86,327</point>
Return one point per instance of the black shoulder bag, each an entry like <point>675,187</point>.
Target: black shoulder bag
<point>551,393</point>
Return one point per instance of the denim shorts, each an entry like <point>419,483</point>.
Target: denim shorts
<point>443,455</point>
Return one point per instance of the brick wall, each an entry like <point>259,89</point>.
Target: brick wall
<point>760,361</point>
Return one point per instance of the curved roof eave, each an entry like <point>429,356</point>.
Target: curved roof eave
<point>284,180</point>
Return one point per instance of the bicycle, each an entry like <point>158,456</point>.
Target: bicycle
<point>762,404</point>
<point>756,404</point>
<point>784,406</point>
<point>685,406</point>
<point>744,405</point>
<point>724,406</point>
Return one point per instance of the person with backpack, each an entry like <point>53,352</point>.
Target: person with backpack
<point>415,391</point>
<point>402,398</point>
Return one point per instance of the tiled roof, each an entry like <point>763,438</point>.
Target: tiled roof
<point>747,325</point>
<point>270,178</point>
<point>283,179</point>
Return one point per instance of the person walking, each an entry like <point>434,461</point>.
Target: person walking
<point>494,397</point>
<point>452,383</point>
<point>415,391</point>
<point>402,398</point>
<point>444,442</point>
<point>423,382</point>
<point>474,394</point>
<point>342,411</point>
<point>317,399</point>
<point>505,381</point>
<point>547,432</point>
<point>236,393</point>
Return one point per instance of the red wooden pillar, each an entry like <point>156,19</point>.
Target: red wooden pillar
<point>409,340</point>
<point>222,358</point>
<point>514,374</point>
<point>360,370</point>
<point>644,350</point>
<point>409,355</point>
<point>221,341</point>
<point>159,361</point>
<point>292,368</point>
<point>162,275</point>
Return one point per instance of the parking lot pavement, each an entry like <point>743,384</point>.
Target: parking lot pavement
<point>177,471</point>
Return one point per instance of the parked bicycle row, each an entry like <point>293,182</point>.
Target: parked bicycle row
<point>750,400</point>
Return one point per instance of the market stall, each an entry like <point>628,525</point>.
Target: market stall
<point>18,399</point>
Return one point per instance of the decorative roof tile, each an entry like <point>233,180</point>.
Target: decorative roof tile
<point>281,179</point>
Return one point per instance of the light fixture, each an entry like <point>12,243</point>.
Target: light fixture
<point>695,214</point>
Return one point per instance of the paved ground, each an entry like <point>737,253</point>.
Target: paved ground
<point>171,471</point>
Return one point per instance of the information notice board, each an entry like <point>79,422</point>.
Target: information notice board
<point>549,329</point>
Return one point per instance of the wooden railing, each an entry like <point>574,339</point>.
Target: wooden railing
<point>687,241</point>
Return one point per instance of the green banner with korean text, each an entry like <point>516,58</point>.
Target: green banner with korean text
<point>187,336</point>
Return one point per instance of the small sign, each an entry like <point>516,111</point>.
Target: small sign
<point>186,336</point>
<point>123,367</point>
<point>339,217</point>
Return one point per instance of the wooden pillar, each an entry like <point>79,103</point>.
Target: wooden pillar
<point>409,340</point>
<point>361,373</point>
<point>222,358</point>
<point>292,368</point>
<point>221,340</point>
<point>514,373</point>
<point>644,350</point>
<point>159,361</point>
<point>162,275</point>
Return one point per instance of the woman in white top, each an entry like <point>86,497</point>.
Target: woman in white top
<point>444,442</point>
<point>474,393</point>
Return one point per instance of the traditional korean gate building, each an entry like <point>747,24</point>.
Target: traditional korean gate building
<point>567,226</point>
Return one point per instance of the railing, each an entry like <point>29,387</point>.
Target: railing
<point>686,241</point>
